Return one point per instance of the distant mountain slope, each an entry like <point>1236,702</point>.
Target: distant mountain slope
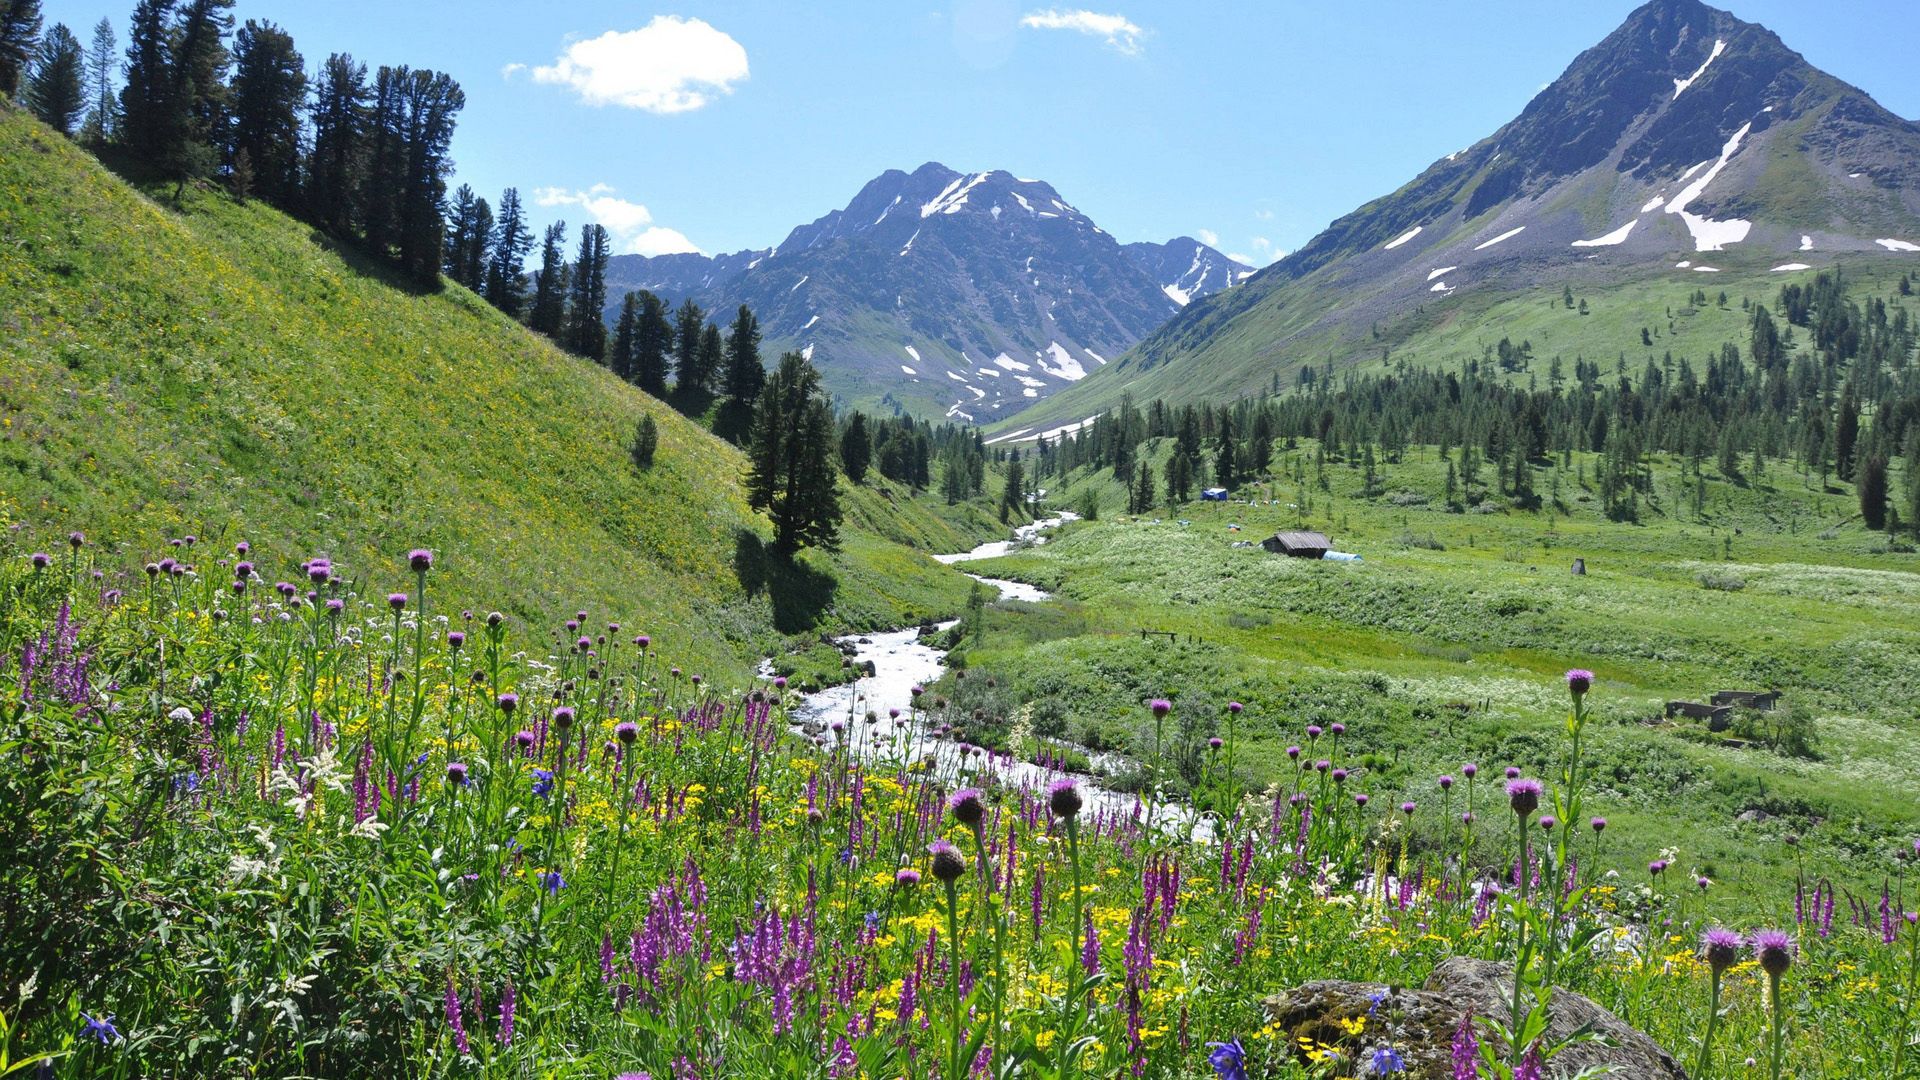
<point>964,295</point>
<point>216,371</point>
<point>1688,142</point>
<point>1187,269</point>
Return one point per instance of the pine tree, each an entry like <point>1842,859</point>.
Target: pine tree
<point>550,283</point>
<point>506,269</point>
<point>384,176</point>
<point>19,37</point>
<point>1846,434</point>
<point>745,375</point>
<point>336,165</point>
<point>1873,491</point>
<point>653,340</point>
<point>712,356</point>
<point>587,301</point>
<point>1013,496</point>
<point>269,91</point>
<point>646,440</point>
<point>1141,497</point>
<point>54,91</point>
<point>1179,476</point>
<point>103,112</point>
<point>688,324</point>
<point>145,100</point>
<point>196,98</point>
<point>625,330</point>
<point>461,214</point>
<point>791,473</point>
<point>430,101</point>
<point>856,448</point>
<point>1260,443</point>
<point>1225,463</point>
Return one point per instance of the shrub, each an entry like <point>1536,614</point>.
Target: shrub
<point>1720,581</point>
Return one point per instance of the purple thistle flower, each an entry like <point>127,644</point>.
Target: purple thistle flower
<point>1063,799</point>
<point>397,600</point>
<point>626,731</point>
<point>1469,770</point>
<point>1513,772</point>
<point>1599,824</point>
<point>1720,947</point>
<point>40,560</point>
<point>509,702</point>
<point>420,560</point>
<point>1407,808</point>
<point>967,806</point>
<point>1548,821</point>
<point>906,877</point>
<point>1446,782</point>
<point>947,863</point>
<point>1774,950</point>
<point>457,773</point>
<point>456,638</point>
<point>1234,706</point>
<point>1579,680</point>
<point>1160,706</point>
<point>335,606</point>
<point>1313,731</point>
<point>1524,796</point>
<point>563,716</point>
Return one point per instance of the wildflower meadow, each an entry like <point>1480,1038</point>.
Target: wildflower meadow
<point>267,815</point>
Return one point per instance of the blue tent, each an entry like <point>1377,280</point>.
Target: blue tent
<point>1214,494</point>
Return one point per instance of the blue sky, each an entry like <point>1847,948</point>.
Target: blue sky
<point>723,125</point>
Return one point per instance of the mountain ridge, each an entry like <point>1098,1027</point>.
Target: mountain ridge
<point>1686,142</point>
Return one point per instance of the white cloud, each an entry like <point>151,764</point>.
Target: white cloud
<point>670,65</point>
<point>1268,252</point>
<point>1209,238</point>
<point>1263,215</point>
<point>1116,30</point>
<point>1247,260</point>
<point>630,223</point>
<point>510,70</point>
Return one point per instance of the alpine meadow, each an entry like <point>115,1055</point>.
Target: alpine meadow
<point>1235,624</point>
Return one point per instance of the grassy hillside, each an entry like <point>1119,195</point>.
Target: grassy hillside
<point>1443,646</point>
<point>1323,318</point>
<point>217,369</point>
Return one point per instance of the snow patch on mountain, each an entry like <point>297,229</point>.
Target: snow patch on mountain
<point>1008,362</point>
<point>1175,293</point>
<point>1617,236</point>
<point>1441,271</point>
<point>1680,85</point>
<point>1064,365</point>
<point>1898,245</point>
<point>1710,235</point>
<point>1790,266</point>
<point>1402,238</point>
<point>1508,235</point>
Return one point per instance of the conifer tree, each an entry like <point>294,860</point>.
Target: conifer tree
<point>689,322</point>
<point>1225,462</point>
<point>1141,497</point>
<point>1179,476</point>
<point>1013,496</point>
<point>269,91</point>
<point>19,37</point>
<point>550,283</point>
<point>587,301</point>
<point>1873,491</point>
<point>1846,434</point>
<point>856,448</point>
<point>646,441</point>
<point>625,330</point>
<point>103,111</point>
<point>54,91</point>
<point>745,375</point>
<point>336,163</point>
<point>506,270</point>
<point>653,340</point>
<point>791,472</point>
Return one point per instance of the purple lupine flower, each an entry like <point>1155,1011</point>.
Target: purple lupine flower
<point>505,1034</point>
<point>1466,1050</point>
<point>1090,949</point>
<point>1533,1066</point>
<point>453,1018</point>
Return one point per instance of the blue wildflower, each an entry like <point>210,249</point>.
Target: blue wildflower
<point>1373,1010</point>
<point>542,783</point>
<point>1229,1060</point>
<point>1386,1061</point>
<point>101,1029</point>
<point>552,881</point>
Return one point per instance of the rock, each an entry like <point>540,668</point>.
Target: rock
<point>1420,1023</point>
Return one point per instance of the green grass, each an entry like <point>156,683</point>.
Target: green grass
<point>1447,643</point>
<point>219,369</point>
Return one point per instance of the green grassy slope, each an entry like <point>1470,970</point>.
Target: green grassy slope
<point>1480,611</point>
<point>1322,317</point>
<point>217,369</point>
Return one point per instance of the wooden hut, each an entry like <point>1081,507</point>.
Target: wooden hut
<point>1299,545</point>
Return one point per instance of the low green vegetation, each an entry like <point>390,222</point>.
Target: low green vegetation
<point>1440,645</point>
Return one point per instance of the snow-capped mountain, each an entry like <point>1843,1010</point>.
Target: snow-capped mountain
<point>1188,269</point>
<point>1685,144</point>
<point>964,295</point>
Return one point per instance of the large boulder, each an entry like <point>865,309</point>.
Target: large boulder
<point>1420,1024</point>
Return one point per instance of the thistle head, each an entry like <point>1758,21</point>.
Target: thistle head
<point>969,808</point>
<point>1063,798</point>
<point>1774,950</point>
<point>1524,796</point>
<point>948,866</point>
<point>1579,681</point>
<point>420,560</point>
<point>1720,948</point>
